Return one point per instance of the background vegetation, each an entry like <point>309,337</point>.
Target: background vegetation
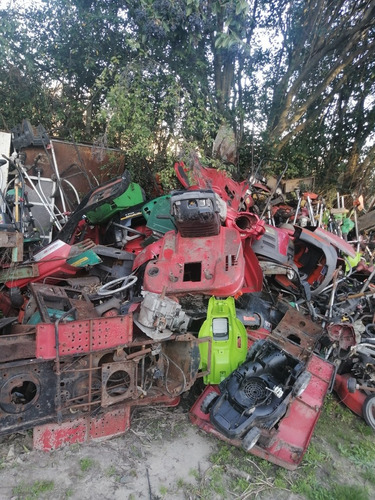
<point>294,79</point>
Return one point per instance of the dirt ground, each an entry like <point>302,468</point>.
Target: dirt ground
<point>163,456</point>
<point>156,455</point>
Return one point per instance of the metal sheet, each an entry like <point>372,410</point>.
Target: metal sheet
<point>111,422</point>
<point>297,334</point>
<point>79,337</point>
<point>212,265</point>
<point>27,394</point>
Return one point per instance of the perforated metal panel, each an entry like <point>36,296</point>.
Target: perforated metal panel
<point>77,337</point>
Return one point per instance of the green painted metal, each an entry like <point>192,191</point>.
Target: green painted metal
<point>19,272</point>
<point>154,209</point>
<point>134,195</point>
<point>54,314</point>
<point>229,340</point>
<point>86,258</point>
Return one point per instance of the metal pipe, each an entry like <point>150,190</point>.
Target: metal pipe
<point>367,282</point>
<point>311,211</point>
<point>297,209</point>
<point>356,228</point>
<point>58,177</point>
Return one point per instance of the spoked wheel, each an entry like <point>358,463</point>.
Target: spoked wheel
<point>369,410</point>
<point>251,439</point>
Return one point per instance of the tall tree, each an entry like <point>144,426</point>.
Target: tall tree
<point>323,42</point>
<point>294,78</point>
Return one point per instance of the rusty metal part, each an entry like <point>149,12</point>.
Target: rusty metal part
<point>27,394</point>
<point>107,423</point>
<point>13,240</point>
<point>53,297</point>
<point>15,346</point>
<point>181,359</point>
<point>119,382</point>
<point>20,272</point>
<point>86,366</point>
<point>297,334</point>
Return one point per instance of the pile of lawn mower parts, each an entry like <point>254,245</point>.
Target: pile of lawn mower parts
<point>255,292</point>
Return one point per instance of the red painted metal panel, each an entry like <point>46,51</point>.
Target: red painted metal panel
<point>353,400</point>
<point>111,422</point>
<point>200,177</point>
<point>253,275</point>
<point>212,265</point>
<point>52,436</point>
<point>77,337</point>
<point>51,261</point>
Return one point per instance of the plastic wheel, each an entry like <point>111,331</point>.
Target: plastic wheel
<point>301,383</point>
<point>124,282</point>
<point>369,410</point>
<point>351,384</point>
<point>251,439</point>
<point>208,402</point>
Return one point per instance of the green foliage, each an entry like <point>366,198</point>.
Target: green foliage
<point>157,78</point>
<point>86,463</point>
<point>33,491</point>
<point>315,491</point>
<point>163,490</point>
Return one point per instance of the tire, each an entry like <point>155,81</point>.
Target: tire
<point>301,383</point>
<point>351,384</point>
<point>208,402</point>
<point>251,438</point>
<point>368,410</point>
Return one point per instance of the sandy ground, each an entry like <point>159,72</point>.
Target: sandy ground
<point>158,453</point>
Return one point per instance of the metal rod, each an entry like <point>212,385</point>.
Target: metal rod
<point>58,177</point>
<point>311,211</point>
<point>367,282</point>
<point>356,228</point>
<point>297,209</point>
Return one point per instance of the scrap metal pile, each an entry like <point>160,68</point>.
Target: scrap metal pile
<point>128,302</point>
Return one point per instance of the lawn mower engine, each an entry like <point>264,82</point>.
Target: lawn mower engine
<point>256,395</point>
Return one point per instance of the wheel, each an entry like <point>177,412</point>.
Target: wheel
<point>301,383</point>
<point>251,439</point>
<point>351,384</point>
<point>369,410</point>
<point>124,282</point>
<point>208,402</point>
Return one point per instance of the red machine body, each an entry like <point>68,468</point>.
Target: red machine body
<point>211,265</point>
<point>51,261</point>
<point>353,400</point>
